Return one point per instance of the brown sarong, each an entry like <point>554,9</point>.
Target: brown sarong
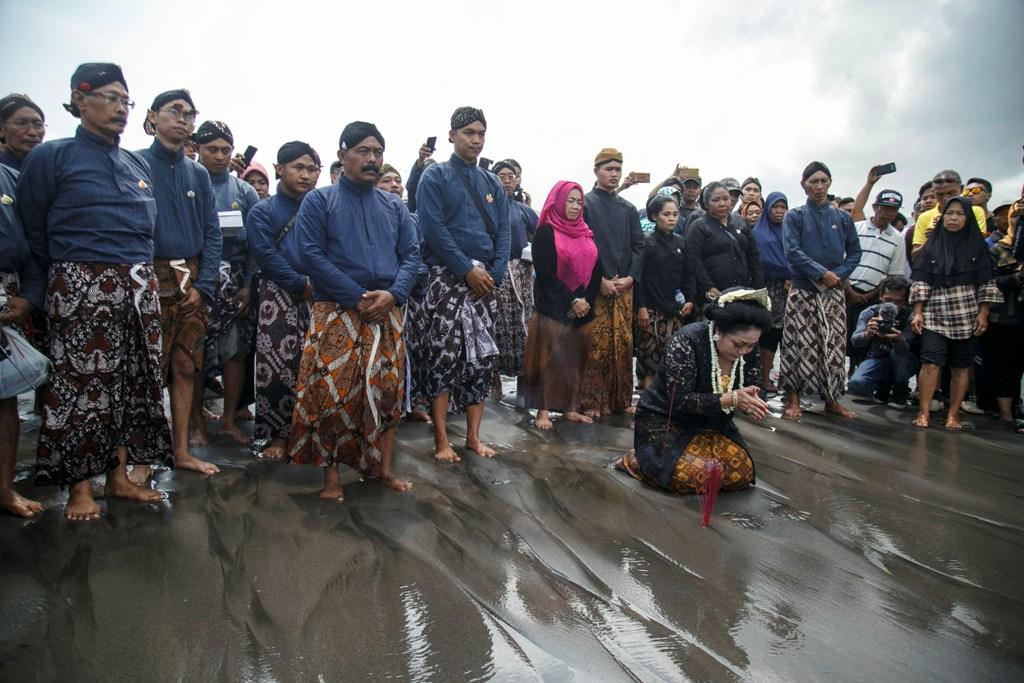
<point>608,378</point>
<point>349,391</point>
<point>650,344</point>
<point>556,357</point>
<point>185,333</point>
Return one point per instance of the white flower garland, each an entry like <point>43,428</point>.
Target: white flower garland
<point>716,371</point>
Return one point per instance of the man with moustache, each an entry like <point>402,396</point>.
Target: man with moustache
<point>945,185</point>
<point>103,405</point>
<point>359,247</point>
<point>608,378</point>
<point>232,325</point>
<point>823,249</point>
<point>285,295</point>
<point>464,218</point>
<point>187,247</point>
<point>22,127</point>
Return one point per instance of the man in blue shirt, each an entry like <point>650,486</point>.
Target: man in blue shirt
<point>232,325</point>
<point>823,249</point>
<point>187,245</point>
<point>359,247</point>
<point>285,295</point>
<point>103,406</point>
<point>464,217</point>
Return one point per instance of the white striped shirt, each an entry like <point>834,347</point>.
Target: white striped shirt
<point>882,253</point>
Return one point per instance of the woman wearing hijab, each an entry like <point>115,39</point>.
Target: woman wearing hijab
<point>775,268</point>
<point>954,285</point>
<point>1003,359</point>
<point>751,210</point>
<point>568,279</point>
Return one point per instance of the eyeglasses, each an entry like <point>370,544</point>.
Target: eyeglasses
<point>973,191</point>
<point>113,98</point>
<point>180,114</point>
<point>25,124</point>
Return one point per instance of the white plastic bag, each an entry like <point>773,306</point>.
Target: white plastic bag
<point>22,367</point>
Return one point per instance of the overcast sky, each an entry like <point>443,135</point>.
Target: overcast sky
<point>734,88</point>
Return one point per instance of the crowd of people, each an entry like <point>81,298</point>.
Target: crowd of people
<point>339,311</point>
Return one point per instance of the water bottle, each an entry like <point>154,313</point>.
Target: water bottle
<point>680,298</point>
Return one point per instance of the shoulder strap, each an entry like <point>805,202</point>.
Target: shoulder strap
<point>285,230</point>
<point>479,203</point>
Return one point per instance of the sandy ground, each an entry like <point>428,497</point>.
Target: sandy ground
<point>867,551</point>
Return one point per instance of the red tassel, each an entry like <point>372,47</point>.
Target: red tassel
<point>708,493</point>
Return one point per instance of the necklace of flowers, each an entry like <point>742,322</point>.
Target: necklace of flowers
<point>716,371</point>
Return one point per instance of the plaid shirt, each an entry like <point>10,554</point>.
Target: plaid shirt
<point>951,311</point>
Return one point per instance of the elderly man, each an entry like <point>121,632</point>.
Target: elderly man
<point>464,218</point>
<point>186,259</point>
<point>822,247</point>
<point>285,295</point>
<point>945,185</point>
<point>22,127</point>
<point>103,407</point>
<point>608,378</point>
<point>232,325</point>
<point>358,245</point>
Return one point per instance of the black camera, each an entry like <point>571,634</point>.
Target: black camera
<point>887,312</point>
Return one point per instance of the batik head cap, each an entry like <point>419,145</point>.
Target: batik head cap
<point>14,102</point>
<point>356,132</point>
<point>813,168</point>
<point>213,130</point>
<point>758,296</point>
<point>463,116</point>
<point>93,75</point>
<point>503,164</point>
<point>607,154</point>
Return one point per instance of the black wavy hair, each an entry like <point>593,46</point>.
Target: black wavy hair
<point>738,315</point>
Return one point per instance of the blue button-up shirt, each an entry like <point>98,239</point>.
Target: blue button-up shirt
<point>453,230</point>
<point>234,194</point>
<point>819,238</point>
<point>15,256</point>
<point>8,159</point>
<point>186,219</point>
<point>523,221</point>
<point>277,261</point>
<point>84,199</point>
<point>355,238</point>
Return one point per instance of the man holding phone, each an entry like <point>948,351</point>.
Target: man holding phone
<point>426,151</point>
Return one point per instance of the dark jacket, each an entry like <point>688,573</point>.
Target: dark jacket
<point>551,298</point>
<point>721,256</point>
<point>664,272</point>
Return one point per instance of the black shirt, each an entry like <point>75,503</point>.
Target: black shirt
<point>722,256</point>
<point>617,233</point>
<point>551,298</point>
<point>663,273</point>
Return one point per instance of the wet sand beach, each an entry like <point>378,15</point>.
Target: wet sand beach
<point>867,551</point>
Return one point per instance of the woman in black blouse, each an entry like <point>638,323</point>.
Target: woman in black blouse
<point>568,278</point>
<point>710,370</point>
<point>720,249</point>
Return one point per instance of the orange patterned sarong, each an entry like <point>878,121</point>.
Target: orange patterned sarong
<point>349,391</point>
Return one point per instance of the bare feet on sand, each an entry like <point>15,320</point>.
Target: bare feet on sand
<point>81,507</point>
<point>543,420</point>
<point>332,485</point>
<point>480,448</point>
<point>447,454</point>
<point>18,505</point>
<point>275,450</point>
<point>140,474</point>
<point>793,414</point>
<point>210,415</point>
<point>420,416</point>
<point>235,434</point>
<point>921,421</point>
<point>954,425</point>
<point>836,408</point>
<point>394,483</point>
<point>187,461</point>
<point>122,487</point>
<point>197,438</point>
<point>572,416</point>
<point>245,415</point>
<point>592,414</point>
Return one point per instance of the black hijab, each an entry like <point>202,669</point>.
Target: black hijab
<point>954,258</point>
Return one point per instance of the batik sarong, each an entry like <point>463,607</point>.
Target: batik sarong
<point>455,349</point>
<point>515,307</point>
<point>649,344</point>
<point>556,355</point>
<point>281,332</point>
<point>227,334</point>
<point>814,343</point>
<point>608,379</point>
<point>184,333</point>
<point>688,476</point>
<point>105,389</point>
<point>349,391</point>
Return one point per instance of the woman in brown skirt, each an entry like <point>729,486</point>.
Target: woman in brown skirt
<point>568,279</point>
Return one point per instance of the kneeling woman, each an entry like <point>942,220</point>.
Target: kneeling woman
<point>710,370</point>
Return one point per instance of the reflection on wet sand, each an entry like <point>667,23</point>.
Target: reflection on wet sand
<point>867,550</point>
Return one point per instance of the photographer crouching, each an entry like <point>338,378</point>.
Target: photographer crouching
<point>883,334</point>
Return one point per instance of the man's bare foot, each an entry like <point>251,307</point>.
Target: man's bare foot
<point>197,438</point>
<point>592,414</point>
<point>543,421</point>
<point>210,415</point>
<point>394,483</point>
<point>275,450</point>
<point>235,434</point>
<point>123,488</point>
<point>480,449</point>
<point>447,454</point>
<point>420,416</point>
<point>836,408</point>
<point>792,413</point>
<point>139,474</point>
<point>18,505</point>
<point>81,507</point>
<point>187,461</point>
<point>921,421</point>
<point>953,424</point>
<point>244,414</point>
<point>573,416</point>
<point>332,485</point>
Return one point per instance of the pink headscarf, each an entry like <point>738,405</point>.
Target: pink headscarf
<point>255,167</point>
<point>574,242</point>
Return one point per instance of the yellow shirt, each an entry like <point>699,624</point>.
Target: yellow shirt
<point>924,222</point>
